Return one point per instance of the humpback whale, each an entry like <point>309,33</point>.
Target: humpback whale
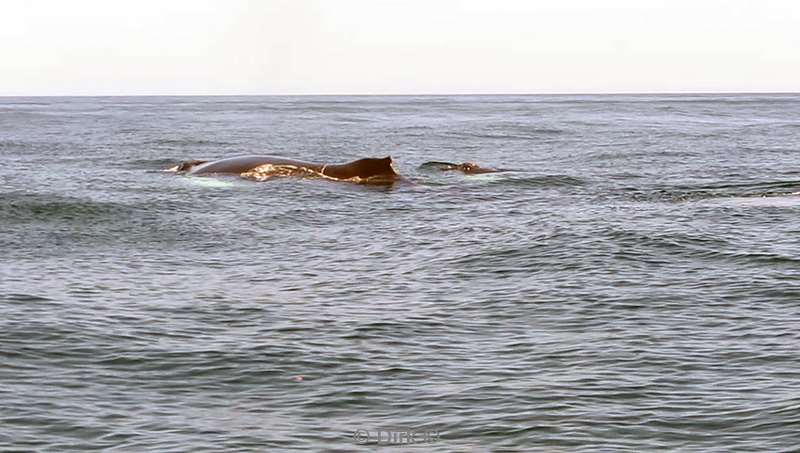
<point>468,168</point>
<point>362,171</point>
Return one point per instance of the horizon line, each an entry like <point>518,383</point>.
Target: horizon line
<point>576,93</point>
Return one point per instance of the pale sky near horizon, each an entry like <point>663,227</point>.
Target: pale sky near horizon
<point>100,47</point>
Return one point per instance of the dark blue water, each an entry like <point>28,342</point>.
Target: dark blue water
<point>633,285</point>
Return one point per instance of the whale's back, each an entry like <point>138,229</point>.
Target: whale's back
<point>242,164</point>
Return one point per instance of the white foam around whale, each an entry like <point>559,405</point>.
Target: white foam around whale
<point>210,183</point>
<point>485,177</point>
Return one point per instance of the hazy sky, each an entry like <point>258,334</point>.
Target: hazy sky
<point>59,47</point>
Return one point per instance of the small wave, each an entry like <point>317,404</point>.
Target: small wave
<point>333,107</point>
<point>418,127</point>
<point>672,241</point>
<point>627,155</point>
<point>25,208</point>
<point>11,145</point>
<point>24,298</point>
<point>19,102</point>
<point>769,259</point>
<point>545,131</point>
<point>734,100</point>
<point>711,99</point>
<point>530,134</point>
<point>351,119</point>
<point>702,192</point>
<point>513,179</point>
<point>544,249</point>
<point>707,250</point>
<point>182,142</point>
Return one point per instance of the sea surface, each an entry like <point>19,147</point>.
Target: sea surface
<point>631,284</point>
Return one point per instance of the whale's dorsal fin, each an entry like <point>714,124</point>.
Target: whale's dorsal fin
<point>366,168</point>
<point>372,166</point>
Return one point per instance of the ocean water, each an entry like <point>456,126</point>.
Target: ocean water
<point>631,284</point>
